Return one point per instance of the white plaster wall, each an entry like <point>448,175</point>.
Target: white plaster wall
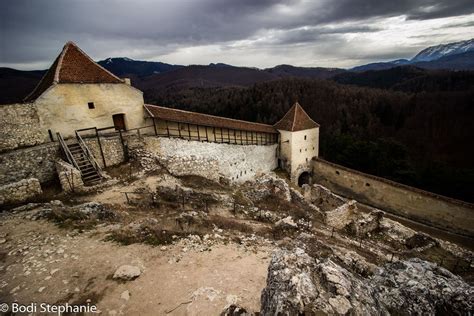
<point>298,150</point>
<point>213,160</point>
<point>285,149</point>
<point>64,107</point>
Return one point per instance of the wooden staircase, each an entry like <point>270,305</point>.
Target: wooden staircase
<point>90,175</point>
<point>78,154</point>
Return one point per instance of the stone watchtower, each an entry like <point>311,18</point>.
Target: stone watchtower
<point>299,143</point>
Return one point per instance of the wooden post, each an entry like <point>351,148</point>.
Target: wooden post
<point>189,132</point>
<point>222,135</point>
<point>456,265</point>
<point>125,152</point>
<point>100,146</point>
<point>154,126</point>
<point>199,134</point>
<point>126,196</point>
<point>207,137</point>
<point>179,130</point>
<point>241,139</point>
<point>214,133</point>
<point>167,129</point>
<point>228,135</point>
<point>50,135</point>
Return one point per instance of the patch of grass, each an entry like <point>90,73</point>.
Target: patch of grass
<point>280,232</point>
<point>198,182</point>
<point>278,205</point>
<point>70,218</point>
<point>241,199</point>
<point>147,234</point>
<point>229,224</point>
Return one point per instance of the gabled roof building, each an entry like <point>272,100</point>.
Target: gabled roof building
<point>77,93</point>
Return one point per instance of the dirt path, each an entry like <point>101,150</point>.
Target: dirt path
<point>40,262</point>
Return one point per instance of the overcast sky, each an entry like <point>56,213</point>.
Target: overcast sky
<point>258,33</point>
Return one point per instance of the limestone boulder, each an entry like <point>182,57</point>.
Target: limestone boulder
<point>127,273</point>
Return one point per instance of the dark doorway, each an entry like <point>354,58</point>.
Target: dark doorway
<point>119,121</point>
<point>304,178</point>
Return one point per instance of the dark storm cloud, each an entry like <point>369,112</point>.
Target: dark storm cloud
<point>413,9</point>
<point>33,31</point>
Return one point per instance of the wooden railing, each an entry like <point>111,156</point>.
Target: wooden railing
<point>88,153</point>
<point>67,152</point>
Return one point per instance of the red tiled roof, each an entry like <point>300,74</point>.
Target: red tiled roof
<point>182,116</point>
<point>73,66</point>
<point>296,119</point>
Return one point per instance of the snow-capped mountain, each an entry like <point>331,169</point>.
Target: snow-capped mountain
<point>436,52</point>
<point>111,59</point>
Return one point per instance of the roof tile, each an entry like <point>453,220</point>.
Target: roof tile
<point>182,116</point>
<point>73,66</point>
<point>296,119</point>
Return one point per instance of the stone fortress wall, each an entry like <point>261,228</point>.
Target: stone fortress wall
<point>422,206</point>
<point>214,161</point>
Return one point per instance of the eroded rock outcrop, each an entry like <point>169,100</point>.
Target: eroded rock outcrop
<point>300,284</point>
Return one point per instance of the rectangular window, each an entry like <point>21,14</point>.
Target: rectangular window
<point>91,105</point>
<point>304,137</point>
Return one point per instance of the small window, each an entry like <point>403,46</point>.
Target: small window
<point>304,137</point>
<point>300,150</point>
<point>306,149</point>
<point>367,184</point>
<point>306,159</point>
<point>337,172</point>
<point>91,105</point>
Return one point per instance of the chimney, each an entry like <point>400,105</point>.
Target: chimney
<point>127,81</point>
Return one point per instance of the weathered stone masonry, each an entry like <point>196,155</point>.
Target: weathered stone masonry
<point>19,191</point>
<point>39,161</point>
<point>19,126</point>
<point>33,162</point>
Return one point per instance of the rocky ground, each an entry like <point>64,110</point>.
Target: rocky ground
<point>190,246</point>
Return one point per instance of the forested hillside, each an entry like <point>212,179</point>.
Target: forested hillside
<point>421,139</point>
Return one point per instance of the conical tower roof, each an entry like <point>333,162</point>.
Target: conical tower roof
<point>73,66</point>
<point>296,119</point>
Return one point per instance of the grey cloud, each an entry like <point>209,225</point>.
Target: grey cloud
<point>34,31</point>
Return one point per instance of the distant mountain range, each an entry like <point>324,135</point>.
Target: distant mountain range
<point>154,77</point>
<point>454,56</point>
<point>121,66</point>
